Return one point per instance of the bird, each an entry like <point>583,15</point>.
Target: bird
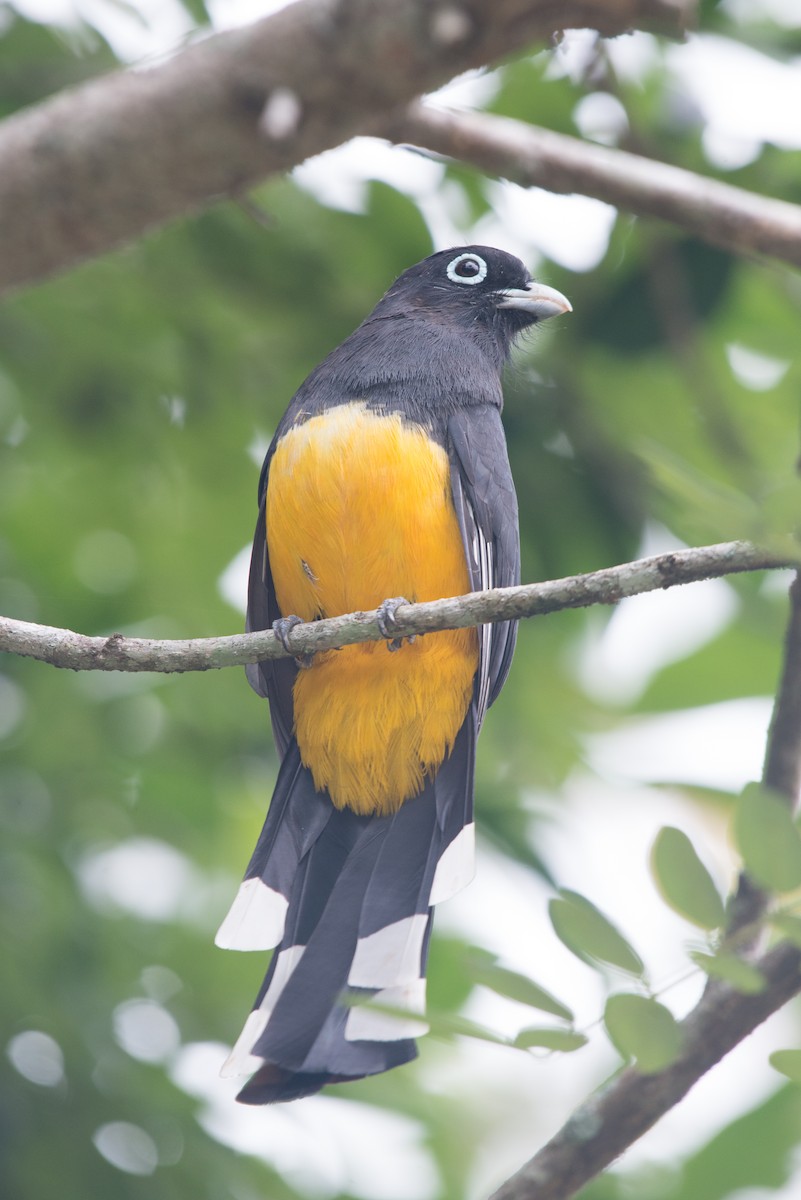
<point>387,482</point>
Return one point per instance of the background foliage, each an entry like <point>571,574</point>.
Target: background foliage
<point>136,394</point>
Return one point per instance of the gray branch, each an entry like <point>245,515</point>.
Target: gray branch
<point>99,165</point>
<point>782,770</point>
<point>601,1129</point>
<point>740,221</point>
<point>604,1127</point>
<point>63,648</point>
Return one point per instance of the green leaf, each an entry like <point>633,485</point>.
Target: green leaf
<point>768,839</point>
<point>643,1029</point>
<point>449,973</point>
<point>788,926</point>
<point>197,11</point>
<point>565,1040</point>
<point>519,987</point>
<point>683,881</point>
<point>451,1025</point>
<point>727,966</point>
<point>590,935</point>
<point>756,1151</point>
<point>788,1062</point>
<point>440,1024</point>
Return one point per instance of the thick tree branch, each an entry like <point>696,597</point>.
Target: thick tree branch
<point>727,216</point>
<point>97,166</point>
<point>610,1122</point>
<point>63,648</point>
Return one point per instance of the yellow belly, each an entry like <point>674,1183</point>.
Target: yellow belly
<point>359,509</point>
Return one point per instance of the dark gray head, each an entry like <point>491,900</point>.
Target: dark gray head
<point>481,290</point>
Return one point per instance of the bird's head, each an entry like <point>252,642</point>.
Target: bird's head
<point>478,288</point>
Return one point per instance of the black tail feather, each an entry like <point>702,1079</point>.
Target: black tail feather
<point>356,894</point>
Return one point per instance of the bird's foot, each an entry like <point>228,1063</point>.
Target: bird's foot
<point>386,622</point>
<point>282,628</point>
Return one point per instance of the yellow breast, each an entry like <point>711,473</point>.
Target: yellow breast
<point>359,509</point>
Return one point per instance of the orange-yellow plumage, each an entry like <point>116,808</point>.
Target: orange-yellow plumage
<point>359,509</point>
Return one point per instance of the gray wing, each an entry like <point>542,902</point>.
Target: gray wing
<point>273,678</point>
<point>486,506</point>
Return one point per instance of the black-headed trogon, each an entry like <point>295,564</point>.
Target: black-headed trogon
<point>387,477</point>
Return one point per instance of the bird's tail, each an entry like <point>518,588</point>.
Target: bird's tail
<point>347,901</point>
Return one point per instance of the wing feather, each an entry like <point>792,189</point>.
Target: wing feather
<point>272,678</point>
<point>486,507</point>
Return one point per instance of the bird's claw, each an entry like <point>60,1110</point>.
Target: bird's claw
<point>386,623</point>
<point>282,628</point>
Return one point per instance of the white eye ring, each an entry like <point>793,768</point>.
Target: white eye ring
<point>453,273</point>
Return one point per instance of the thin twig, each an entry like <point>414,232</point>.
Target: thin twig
<point>737,220</point>
<point>63,648</point>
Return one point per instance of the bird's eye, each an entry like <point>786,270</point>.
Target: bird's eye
<point>467,268</point>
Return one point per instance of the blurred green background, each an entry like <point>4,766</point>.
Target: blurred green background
<point>136,396</point>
